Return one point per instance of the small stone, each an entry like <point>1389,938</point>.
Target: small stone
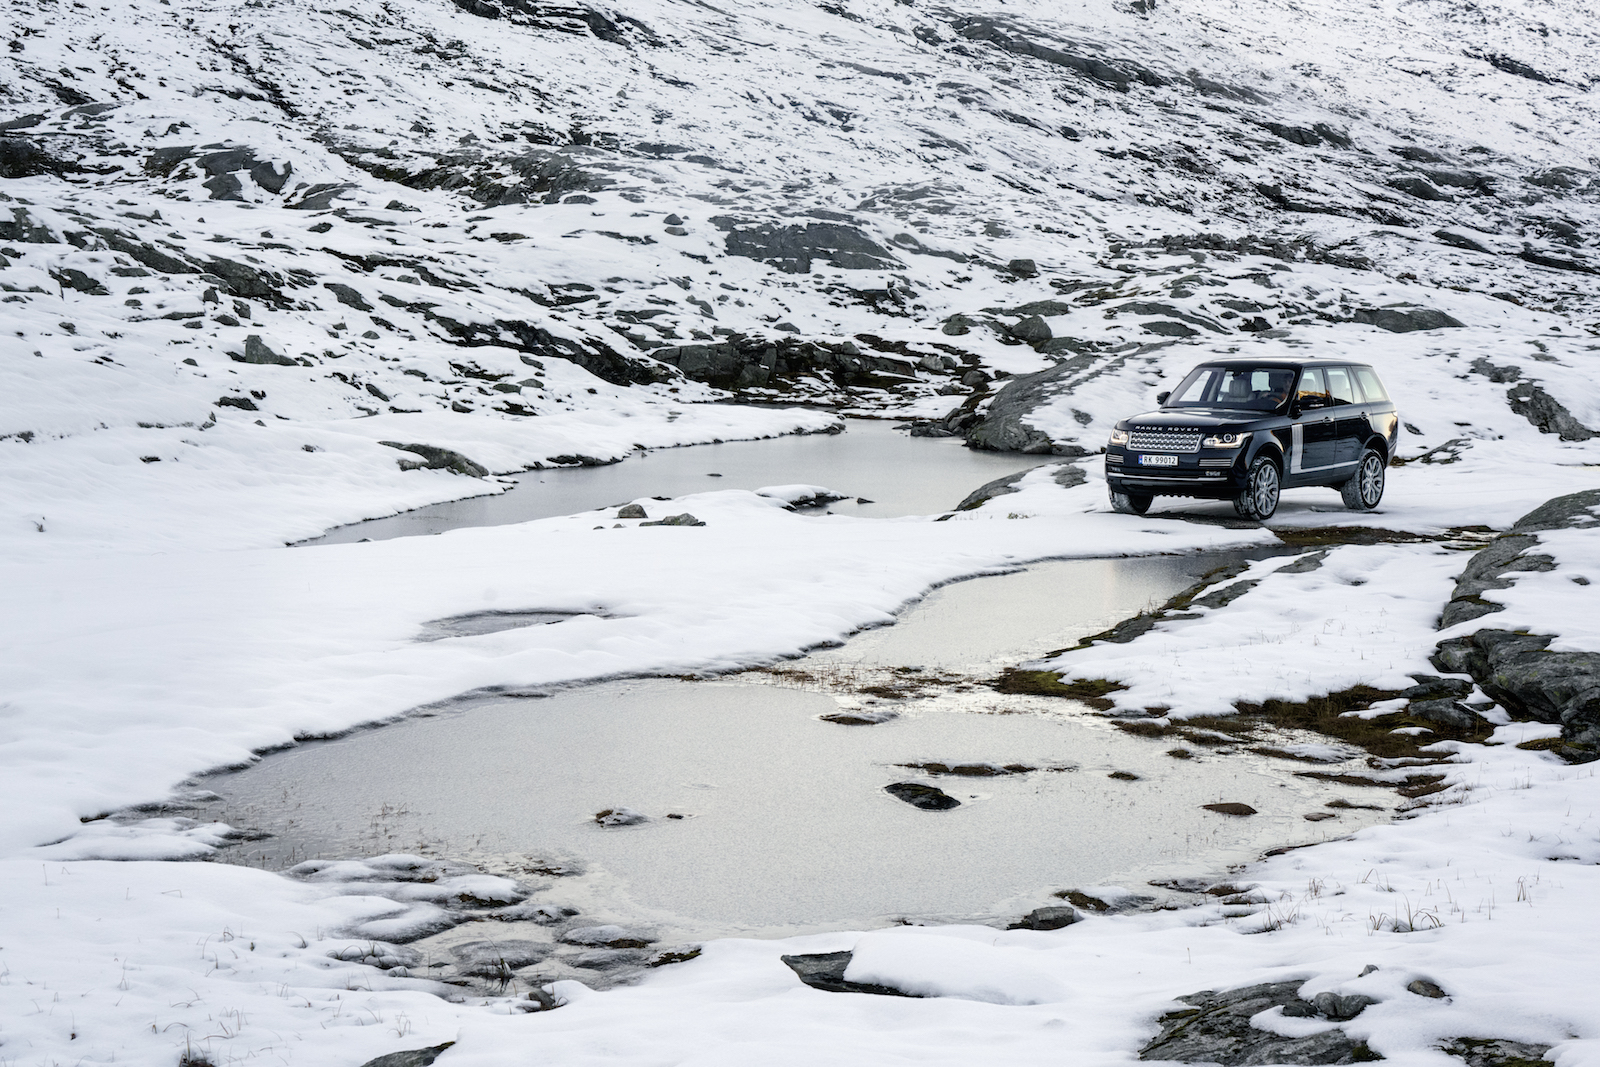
<point>925,797</point>
<point>607,937</point>
<point>1049,918</point>
<point>1424,988</point>
<point>858,718</point>
<point>1230,809</point>
<point>825,971</point>
<point>612,817</point>
<point>417,1057</point>
<point>1318,816</point>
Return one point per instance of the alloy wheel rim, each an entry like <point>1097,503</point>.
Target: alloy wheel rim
<point>1371,481</point>
<point>1266,494</point>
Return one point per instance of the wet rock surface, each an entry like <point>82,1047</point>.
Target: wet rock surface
<point>1496,1052</point>
<point>1216,1029</point>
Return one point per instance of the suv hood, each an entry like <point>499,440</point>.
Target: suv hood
<point>1198,418</point>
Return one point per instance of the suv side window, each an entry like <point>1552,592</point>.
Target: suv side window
<point>1370,385</point>
<point>1340,387</point>
<point>1313,392</point>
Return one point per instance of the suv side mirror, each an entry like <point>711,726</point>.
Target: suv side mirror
<point>1161,398</point>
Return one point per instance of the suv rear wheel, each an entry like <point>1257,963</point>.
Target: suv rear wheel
<point>1130,503</point>
<point>1259,498</point>
<point>1365,488</point>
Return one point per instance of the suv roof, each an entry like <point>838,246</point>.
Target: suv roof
<point>1281,361</point>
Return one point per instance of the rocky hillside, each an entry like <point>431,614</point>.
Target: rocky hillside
<point>504,209</point>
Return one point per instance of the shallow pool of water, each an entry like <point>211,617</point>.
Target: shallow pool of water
<point>896,473</point>
<point>765,817</point>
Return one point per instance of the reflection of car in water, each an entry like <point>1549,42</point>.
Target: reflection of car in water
<point>1246,429</point>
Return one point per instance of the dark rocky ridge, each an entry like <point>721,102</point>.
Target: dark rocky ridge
<point>1518,669</point>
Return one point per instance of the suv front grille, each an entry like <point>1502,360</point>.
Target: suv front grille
<point>1164,440</point>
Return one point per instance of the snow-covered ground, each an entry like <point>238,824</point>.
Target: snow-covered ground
<point>243,246</point>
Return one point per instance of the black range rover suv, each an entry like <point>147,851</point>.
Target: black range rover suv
<point>1246,429</point>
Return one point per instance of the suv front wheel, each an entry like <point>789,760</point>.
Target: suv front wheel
<point>1130,503</point>
<point>1259,498</point>
<point>1365,488</point>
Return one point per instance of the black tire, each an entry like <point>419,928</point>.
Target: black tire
<point>1263,487</point>
<point>1130,503</point>
<point>1364,490</point>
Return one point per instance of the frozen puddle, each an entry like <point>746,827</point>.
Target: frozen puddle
<point>762,817</point>
<point>887,473</point>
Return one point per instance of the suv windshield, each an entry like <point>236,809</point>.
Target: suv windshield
<point>1251,388</point>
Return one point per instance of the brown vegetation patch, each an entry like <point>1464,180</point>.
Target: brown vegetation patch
<point>1090,691</point>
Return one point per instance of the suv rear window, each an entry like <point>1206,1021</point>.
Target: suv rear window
<point>1370,385</point>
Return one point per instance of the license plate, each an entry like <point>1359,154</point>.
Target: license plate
<point>1158,461</point>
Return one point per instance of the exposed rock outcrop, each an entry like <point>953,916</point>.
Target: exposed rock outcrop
<point>1518,669</point>
<point>1005,427</point>
<point>1065,475</point>
<point>1216,1028</point>
<point>435,458</point>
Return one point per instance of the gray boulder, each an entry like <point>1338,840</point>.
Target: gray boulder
<point>1216,1029</point>
<point>258,351</point>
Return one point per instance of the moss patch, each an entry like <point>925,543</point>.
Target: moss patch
<point>1091,691</point>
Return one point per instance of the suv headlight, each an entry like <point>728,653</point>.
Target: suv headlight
<point>1119,437</point>
<point>1226,440</point>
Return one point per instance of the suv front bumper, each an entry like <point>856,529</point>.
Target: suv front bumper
<point>1209,472</point>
